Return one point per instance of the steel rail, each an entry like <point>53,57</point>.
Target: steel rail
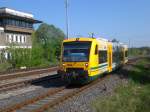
<point>71,94</point>
<point>27,73</point>
<point>16,85</point>
<point>31,101</point>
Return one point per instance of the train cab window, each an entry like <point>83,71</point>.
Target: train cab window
<point>96,49</point>
<point>76,51</point>
<point>102,56</point>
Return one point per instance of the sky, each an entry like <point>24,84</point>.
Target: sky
<point>126,20</point>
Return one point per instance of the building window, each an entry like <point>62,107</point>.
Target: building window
<point>12,39</point>
<point>25,39</point>
<point>18,23</point>
<point>9,22</point>
<point>20,39</point>
<point>13,22</point>
<point>16,38</point>
<point>30,25</point>
<point>0,22</point>
<point>7,38</point>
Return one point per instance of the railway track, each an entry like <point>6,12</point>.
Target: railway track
<point>27,78</point>
<point>50,98</point>
<point>20,84</point>
<point>27,73</point>
<point>24,83</point>
<point>134,59</point>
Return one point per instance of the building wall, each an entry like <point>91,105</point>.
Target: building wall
<point>15,27</point>
<point>2,38</point>
<point>22,40</point>
<point>19,38</point>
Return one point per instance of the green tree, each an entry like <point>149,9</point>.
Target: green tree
<point>50,38</point>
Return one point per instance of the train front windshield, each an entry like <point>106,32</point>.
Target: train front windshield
<point>76,51</point>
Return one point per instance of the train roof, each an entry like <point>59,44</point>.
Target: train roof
<point>85,39</point>
<point>99,39</point>
<point>79,39</point>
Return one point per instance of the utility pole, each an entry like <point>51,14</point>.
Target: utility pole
<point>67,25</point>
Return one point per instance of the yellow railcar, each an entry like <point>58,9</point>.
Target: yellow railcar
<point>85,59</point>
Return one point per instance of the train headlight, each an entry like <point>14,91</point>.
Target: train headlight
<point>63,65</point>
<point>86,64</point>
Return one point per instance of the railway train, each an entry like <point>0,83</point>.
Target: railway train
<point>85,59</point>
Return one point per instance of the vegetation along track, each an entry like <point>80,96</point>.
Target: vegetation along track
<point>27,73</point>
<point>50,98</point>
<point>134,59</point>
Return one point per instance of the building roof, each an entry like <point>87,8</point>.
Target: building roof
<point>15,12</point>
<point>7,12</point>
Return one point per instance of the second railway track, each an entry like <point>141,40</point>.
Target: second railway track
<point>27,73</point>
<point>22,79</point>
<point>19,84</point>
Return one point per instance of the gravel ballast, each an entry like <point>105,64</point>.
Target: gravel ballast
<point>82,102</point>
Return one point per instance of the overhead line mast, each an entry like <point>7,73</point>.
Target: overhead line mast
<point>67,26</point>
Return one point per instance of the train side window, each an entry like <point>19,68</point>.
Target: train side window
<point>102,56</point>
<point>96,49</point>
<point>126,53</point>
<point>121,55</point>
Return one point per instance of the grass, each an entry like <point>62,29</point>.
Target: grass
<point>5,66</point>
<point>133,97</point>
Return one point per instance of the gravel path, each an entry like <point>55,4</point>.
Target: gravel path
<point>82,102</point>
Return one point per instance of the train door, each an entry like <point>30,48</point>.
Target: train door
<point>109,57</point>
<point>102,54</point>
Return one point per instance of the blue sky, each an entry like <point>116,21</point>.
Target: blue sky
<point>121,19</point>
